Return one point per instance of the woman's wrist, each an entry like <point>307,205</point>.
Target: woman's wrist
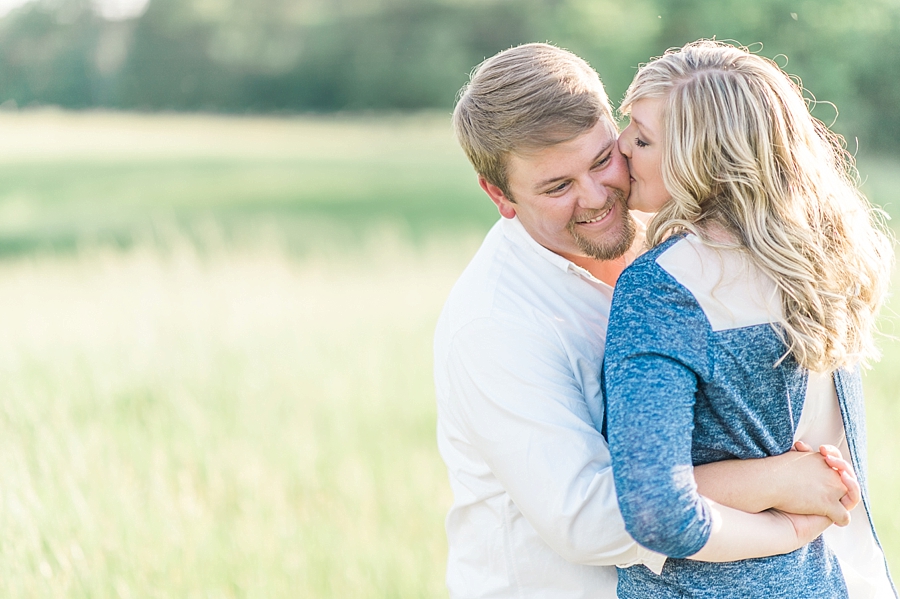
<point>738,535</point>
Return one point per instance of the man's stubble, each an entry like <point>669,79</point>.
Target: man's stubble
<point>608,249</point>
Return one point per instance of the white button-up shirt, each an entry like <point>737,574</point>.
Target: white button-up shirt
<point>518,351</point>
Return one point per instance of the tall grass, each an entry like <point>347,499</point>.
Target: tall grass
<point>227,425</point>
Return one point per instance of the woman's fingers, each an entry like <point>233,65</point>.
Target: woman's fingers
<point>830,450</point>
<point>841,465</point>
<point>801,446</point>
<point>834,459</point>
<point>854,492</point>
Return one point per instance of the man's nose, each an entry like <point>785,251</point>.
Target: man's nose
<point>597,193</point>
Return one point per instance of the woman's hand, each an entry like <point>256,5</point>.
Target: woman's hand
<point>834,460</point>
<point>815,483</point>
<point>806,527</point>
<point>800,482</point>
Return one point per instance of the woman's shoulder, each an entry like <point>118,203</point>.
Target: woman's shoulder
<point>646,268</point>
<point>653,312</point>
<point>647,287</point>
<point>729,288</point>
<point>656,251</point>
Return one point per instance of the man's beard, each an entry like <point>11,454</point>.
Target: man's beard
<point>613,247</point>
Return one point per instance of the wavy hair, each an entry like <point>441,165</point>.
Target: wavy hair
<point>741,151</point>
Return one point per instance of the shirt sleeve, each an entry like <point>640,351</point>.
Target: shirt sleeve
<point>656,355</point>
<point>514,394</point>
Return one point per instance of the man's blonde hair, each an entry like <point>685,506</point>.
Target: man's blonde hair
<point>741,151</point>
<point>523,99</point>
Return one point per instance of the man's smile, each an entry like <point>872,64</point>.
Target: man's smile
<point>596,218</point>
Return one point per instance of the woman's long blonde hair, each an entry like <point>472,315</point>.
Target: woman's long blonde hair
<point>741,151</point>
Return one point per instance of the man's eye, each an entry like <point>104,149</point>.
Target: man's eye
<point>640,142</point>
<point>602,161</point>
<point>559,188</point>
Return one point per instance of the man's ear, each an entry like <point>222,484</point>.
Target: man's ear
<point>506,206</point>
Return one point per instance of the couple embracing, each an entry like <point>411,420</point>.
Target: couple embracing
<point>669,408</point>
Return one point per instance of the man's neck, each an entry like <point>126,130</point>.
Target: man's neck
<point>607,271</point>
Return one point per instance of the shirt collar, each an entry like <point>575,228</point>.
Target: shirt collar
<point>514,230</point>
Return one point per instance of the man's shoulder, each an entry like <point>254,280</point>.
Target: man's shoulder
<point>474,291</point>
<point>508,281</point>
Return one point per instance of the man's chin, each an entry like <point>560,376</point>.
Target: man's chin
<point>608,249</point>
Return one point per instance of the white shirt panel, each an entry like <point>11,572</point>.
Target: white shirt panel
<point>719,282</point>
<point>518,351</point>
<point>862,561</point>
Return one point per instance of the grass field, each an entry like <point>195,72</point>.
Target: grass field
<point>66,178</point>
<point>215,365</point>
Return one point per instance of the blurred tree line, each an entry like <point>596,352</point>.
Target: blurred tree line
<point>352,55</point>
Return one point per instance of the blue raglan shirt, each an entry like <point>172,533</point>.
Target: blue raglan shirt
<point>680,393</point>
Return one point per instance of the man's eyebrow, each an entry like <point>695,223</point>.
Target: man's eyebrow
<point>542,184</point>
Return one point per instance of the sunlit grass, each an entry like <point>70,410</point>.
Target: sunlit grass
<point>882,388</point>
<point>244,424</point>
<point>232,425</point>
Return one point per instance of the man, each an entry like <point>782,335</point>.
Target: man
<point>519,345</point>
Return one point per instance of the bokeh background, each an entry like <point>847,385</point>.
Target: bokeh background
<point>226,230</point>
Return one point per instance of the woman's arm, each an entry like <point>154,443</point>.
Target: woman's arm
<point>658,351</point>
<point>800,482</point>
<point>658,496</point>
<point>737,535</point>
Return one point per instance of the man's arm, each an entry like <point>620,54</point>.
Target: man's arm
<point>514,395</point>
<point>799,482</point>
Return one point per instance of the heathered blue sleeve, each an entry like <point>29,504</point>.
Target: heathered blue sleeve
<point>657,352</point>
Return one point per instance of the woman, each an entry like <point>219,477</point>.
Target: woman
<point>741,330</point>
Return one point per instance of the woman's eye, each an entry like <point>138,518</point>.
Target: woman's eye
<point>640,142</point>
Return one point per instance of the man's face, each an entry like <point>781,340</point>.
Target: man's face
<point>571,197</point>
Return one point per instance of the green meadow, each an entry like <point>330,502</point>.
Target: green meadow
<point>215,359</point>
